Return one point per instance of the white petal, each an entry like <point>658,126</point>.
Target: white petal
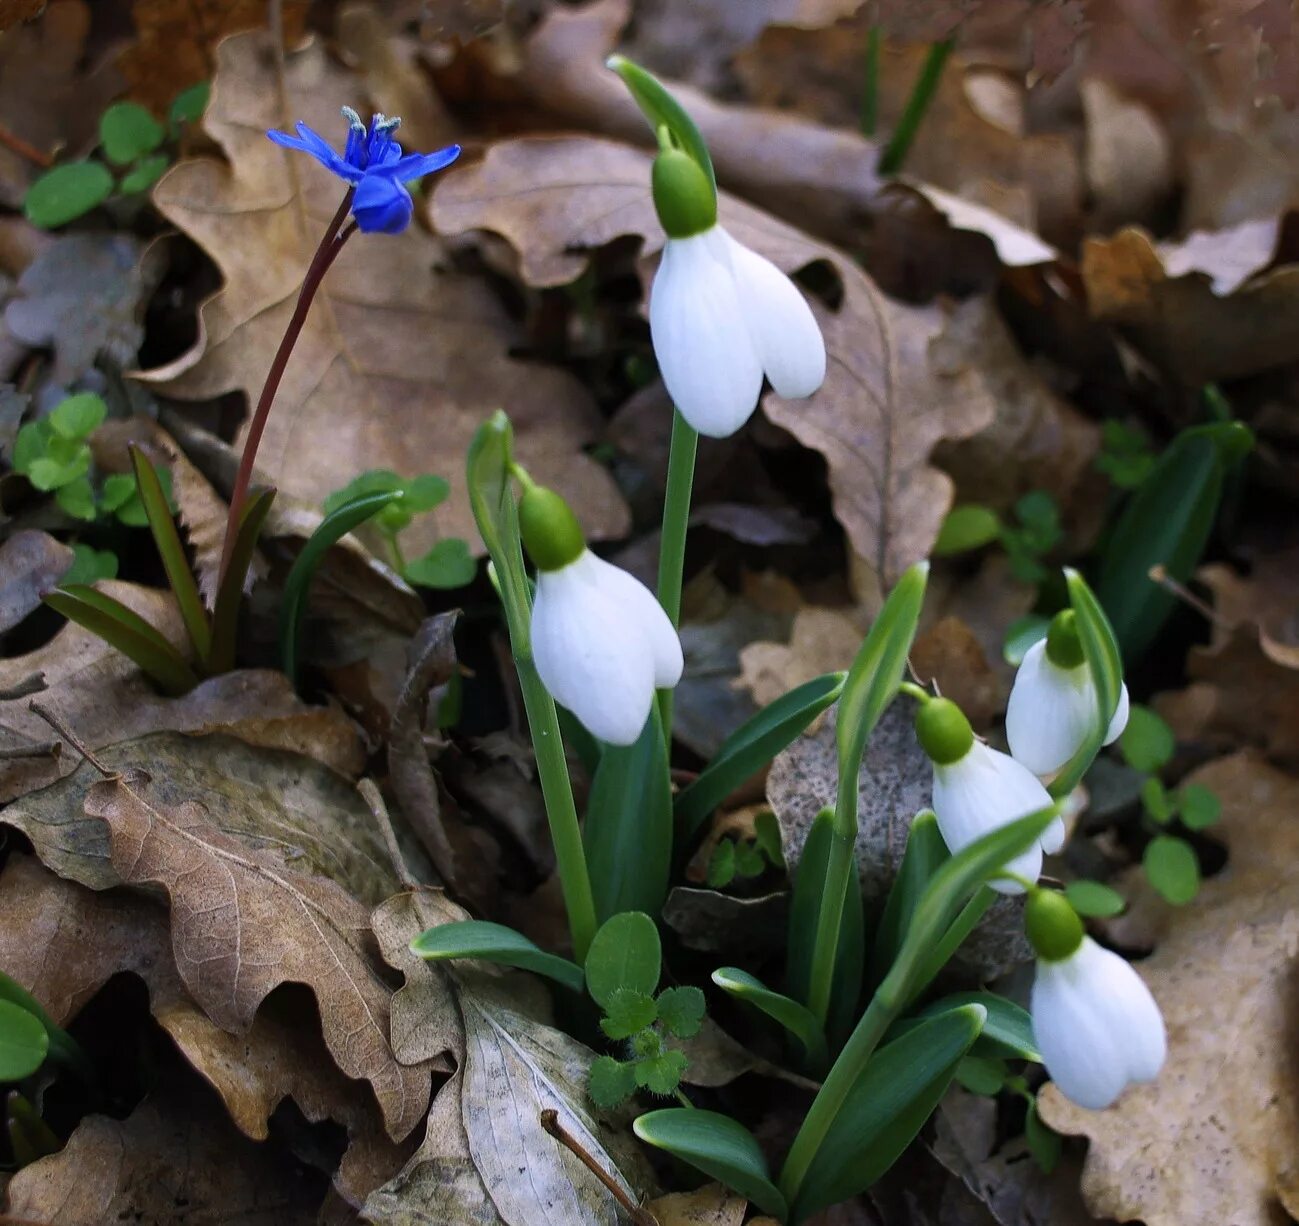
<point>1120,720</point>
<point>982,792</point>
<point>1053,836</point>
<point>1081,1050</point>
<point>705,354</point>
<point>784,330</point>
<point>1050,712</point>
<point>642,606</point>
<point>590,656</point>
<point>1125,1004</point>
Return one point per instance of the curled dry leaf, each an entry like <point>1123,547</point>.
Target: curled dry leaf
<point>820,641</point>
<point>242,924</point>
<point>1215,1138</point>
<point>31,563</point>
<point>884,404</point>
<point>1179,321</point>
<point>948,657</point>
<point>399,362</point>
<point>1268,597</point>
<point>711,1205</point>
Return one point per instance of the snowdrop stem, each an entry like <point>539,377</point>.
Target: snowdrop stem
<point>331,243</point>
<point>672,545</point>
<point>825,945</point>
<point>910,688</point>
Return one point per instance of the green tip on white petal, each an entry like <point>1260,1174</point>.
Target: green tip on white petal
<point>1063,644</point>
<point>943,731</point>
<point>1053,927</point>
<point>550,531</point>
<point>684,199</point>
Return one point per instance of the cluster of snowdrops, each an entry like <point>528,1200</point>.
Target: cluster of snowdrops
<point>598,655</point>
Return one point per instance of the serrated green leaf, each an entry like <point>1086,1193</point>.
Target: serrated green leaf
<point>965,528</point>
<point>627,1013</point>
<point>611,1082</point>
<point>1199,806</point>
<point>681,1010</point>
<point>495,943</point>
<point>1093,899</point>
<point>67,192</point>
<point>77,499</point>
<point>77,417</point>
<point>127,131</point>
<point>661,1074</point>
<point>447,565</point>
<point>1147,743</point>
<point>625,953</point>
<point>1172,868</point>
<point>24,1042</point>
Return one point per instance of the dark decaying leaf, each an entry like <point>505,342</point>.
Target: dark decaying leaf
<point>30,564</point>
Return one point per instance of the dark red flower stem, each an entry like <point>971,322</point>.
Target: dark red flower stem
<point>331,244</point>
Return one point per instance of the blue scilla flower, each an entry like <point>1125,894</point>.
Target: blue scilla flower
<point>373,163</point>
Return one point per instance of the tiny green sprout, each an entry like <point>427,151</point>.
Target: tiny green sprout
<point>1037,532</point>
<point>1126,456</point>
<point>645,1026</point>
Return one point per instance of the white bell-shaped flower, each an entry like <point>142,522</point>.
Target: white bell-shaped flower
<point>978,789</point>
<point>1052,705</point>
<point>601,642</point>
<point>1096,1023</point>
<point>721,315</point>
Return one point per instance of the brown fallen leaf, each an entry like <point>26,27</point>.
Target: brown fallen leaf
<point>176,41</point>
<point>948,656</point>
<point>711,1205</point>
<point>175,1153</point>
<point>885,403</point>
<point>399,362</point>
<point>242,924</point>
<point>1193,333</point>
<point>820,641</point>
<point>14,11</point>
<point>1267,598</point>
<point>31,563</point>
<point>1128,159</point>
<point>1215,1138</point>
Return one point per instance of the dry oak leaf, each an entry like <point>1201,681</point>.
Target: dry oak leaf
<point>1216,1137</point>
<point>820,641</point>
<point>884,404</point>
<point>1195,334</point>
<point>711,1205</point>
<point>1268,597</point>
<point>399,361</point>
<point>31,563</point>
<point>175,1158</point>
<point>242,924</point>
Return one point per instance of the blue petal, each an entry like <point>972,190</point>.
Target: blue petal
<point>309,142</point>
<point>381,205</point>
<point>419,164</point>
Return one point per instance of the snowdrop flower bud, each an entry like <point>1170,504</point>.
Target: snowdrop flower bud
<point>1052,707</point>
<point>601,641</point>
<point>978,790</point>
<point>721,315</point>
<point>1096,1024</point>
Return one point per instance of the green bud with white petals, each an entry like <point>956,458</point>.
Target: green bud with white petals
<point>1054,929</point>
<point>550,531</point>
<point>684,196</point>
<point>1063,645</point>
<point>944,732</point>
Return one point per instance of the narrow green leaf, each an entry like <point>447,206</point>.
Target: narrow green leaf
<point>1043,1142</point>
<point>487,477</point>
<point>63,1048</point>
<point>625,953</point>
<point>67,192</point>
<point>925,852</point>
<point>225,610</point>
<point>661,108</point>
<point>24,1042</point>
<point>1007,1029</point>
<point>1093,899</point>
<point>30,1137</point>
<point>888,1105</point>
<point>495,943</point>
<point>127,131</point>
<point>797,1019</point>
<point>336,525</point>
<point>126,631</point>
<point>628,829</point>
<point>172,552</point>
<point>1166,523</point>
<point>717,1145</point>
<point>1172,868</point>
<point>752,745</point>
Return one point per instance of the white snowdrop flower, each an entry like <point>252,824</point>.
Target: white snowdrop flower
<point>978,789</point>
<point>601,642</point>
<point>721,315</point>
<point>1096,1023</point>
<point>1052,707</point>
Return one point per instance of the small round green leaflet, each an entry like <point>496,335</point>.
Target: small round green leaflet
<point>495,943</point>
<point>78,416</point>
<point>144,174</point>
<point>1147,742</point>
<point>24,1042</point>
<point>67,192</point>
<point>625,953</point>
<point>447,565</point>
<point>127,131</point>
<point>1021,634</point>
<point>1092,899</point>
<point>1198,806</point>
<point>1172,868</point>
<point>965,528</point>
<point>189,104</point>
<point>717,1145</point>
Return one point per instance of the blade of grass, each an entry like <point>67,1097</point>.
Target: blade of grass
<point>225,613</point>
<point>922,95</point>
<point>117,625</point>
<point>172,552</point>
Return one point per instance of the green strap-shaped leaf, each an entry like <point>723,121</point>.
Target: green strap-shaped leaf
<point>717,1145</point>
<point>925,852</point>
<point>336,525</point>
<point>495,943</point>
<point>625,954</point>
<point>62,1046</point>
<point>127,631</point>
<point>661,108</point>
<point>887,1106</point>
<point>487,476</point>
<point>794,1017</point>
<point>23,1042</point>
<point>225,612</point>
<point>628,829</point>
<point>172,552</point>
<point>752,745</point>
<point>1007,1030</point>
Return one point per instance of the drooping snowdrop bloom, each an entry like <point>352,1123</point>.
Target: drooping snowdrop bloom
<point>978,789</point>
<point>1096,1023</point>
<point>721,315</point>
<point>601,641</point>
<point>1052,708</point>
<point>373,164</point>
